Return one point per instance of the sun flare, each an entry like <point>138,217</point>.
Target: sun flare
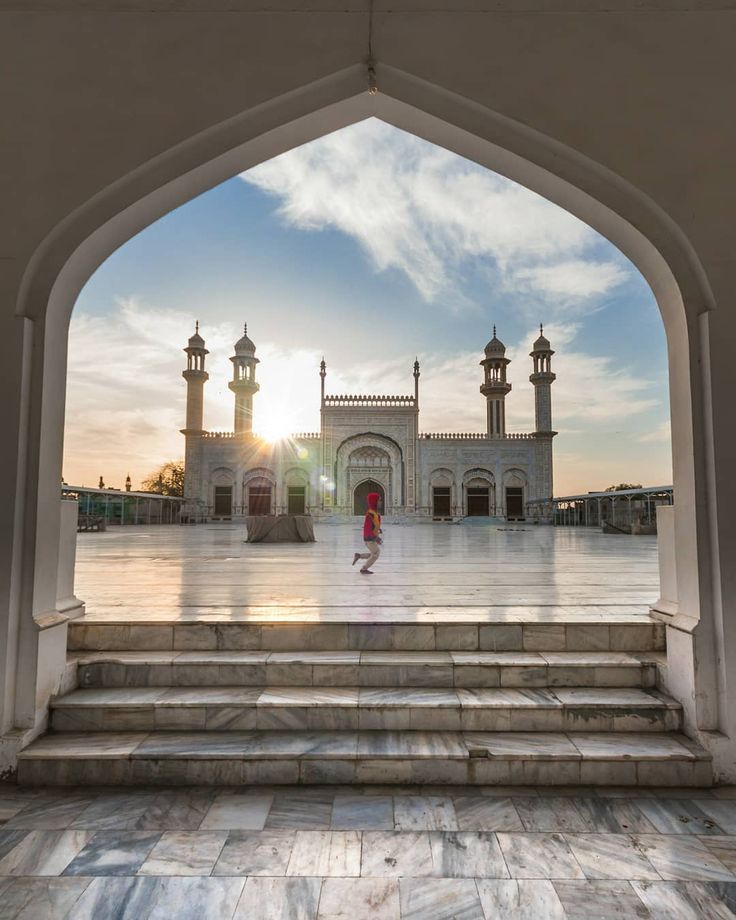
<point>275,425</point>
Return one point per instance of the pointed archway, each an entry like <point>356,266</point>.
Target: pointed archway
<point>95,227</point>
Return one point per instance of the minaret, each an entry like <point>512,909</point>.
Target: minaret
<point>244,384</point>
<point>495,386</point>
<point>542,378</point>
<point>322,374</point>
<point>195,376</point>
<point>416,383</point>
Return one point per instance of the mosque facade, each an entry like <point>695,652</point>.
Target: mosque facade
<point>369,444</point>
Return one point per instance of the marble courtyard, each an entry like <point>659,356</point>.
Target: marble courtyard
<point>301,738</point>
<point>476,654</point>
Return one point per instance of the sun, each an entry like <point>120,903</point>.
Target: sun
<point>275,425</point>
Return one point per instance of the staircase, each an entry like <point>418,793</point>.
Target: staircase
<point>207,702</point>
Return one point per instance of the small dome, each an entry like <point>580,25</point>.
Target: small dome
<point>495,346</point>
<point>196,341</point>
<point>244,346</point>
<point>542,343</point>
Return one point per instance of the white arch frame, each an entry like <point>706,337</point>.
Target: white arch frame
<point>631,220</point>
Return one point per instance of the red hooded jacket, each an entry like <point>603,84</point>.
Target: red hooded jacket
<point>372,522</point>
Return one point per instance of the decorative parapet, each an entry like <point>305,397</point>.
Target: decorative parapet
<point>231,436</point>
<point>474,436</point>
<point>219,435</point>
<point>306,436</point>
<point>373,402</point>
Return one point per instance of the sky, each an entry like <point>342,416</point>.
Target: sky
<point>369,246</point>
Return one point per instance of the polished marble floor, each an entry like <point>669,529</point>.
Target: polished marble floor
<point>427,572</point>
<point>367,853</point>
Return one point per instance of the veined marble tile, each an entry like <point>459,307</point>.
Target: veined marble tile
<point>549,814</point>
<point>209,696</point>
<point>404,659</point>
<point>467,854</point>
<point>591,659</point>
<point>682,900</point>
<point>44,853</point>
<point>9,840</point>
<point>309,696</point>
<point>626,745</point>
<point>616,816</point>
<point>265,745</point>
<point>610,856</point>
<point>722,812</point>
<point>113,853</point>
<point>539,856</point>
<point>355,898</point>
<point>305,811</point>
<point>413,745</point>
<point>493,659</point>
<point>602,696</point>
<point>522,745</point>
<point>409,696</point>
<point>678,816</point>
<point>439,899</point>
<point>525,899</point>
<point>481,813</point>
<point>114,811</point>
<point>279,899</point>
<point>184,853</point>
<point>315,658</point>
<point>256,853</point>
<point>363,812</point>
<point>423,813</point>
<point>36,898</point>
<point>158,898</point>
<point>52,811</point>
<point>232,811</point>
<point>682,858</point>
<point>394,854</point>
<point>724,849</point>
<point>508,697</point>
<point>112,696</point>
<point>325,853</point>
<point>604,900</point>
<point>106,745</point>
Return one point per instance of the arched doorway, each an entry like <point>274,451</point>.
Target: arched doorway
<point>638,225</point>
<point>360,495</point>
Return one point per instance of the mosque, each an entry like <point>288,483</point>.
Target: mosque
<point>369,444</point>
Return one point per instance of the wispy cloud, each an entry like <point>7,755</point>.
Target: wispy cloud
<point>428,213</point>
<point>126,397</point>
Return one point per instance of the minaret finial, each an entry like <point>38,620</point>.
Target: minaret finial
<point>196,328</point>
<point>245,328</point>
<point>541,329</point>
<point>494,330</point>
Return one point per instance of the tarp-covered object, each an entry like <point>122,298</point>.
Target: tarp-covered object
<point>281,528</point>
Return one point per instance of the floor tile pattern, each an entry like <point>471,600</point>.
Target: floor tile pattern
<point>368,853</point>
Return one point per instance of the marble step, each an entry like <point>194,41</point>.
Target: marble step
<point>593,633</point>
<point>263,757</point>
<point>365,669</point>
<point>355,708</point>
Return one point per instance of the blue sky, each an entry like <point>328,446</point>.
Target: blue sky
<point>369,246</point>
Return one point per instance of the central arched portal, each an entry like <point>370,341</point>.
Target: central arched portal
<point>360,495</point>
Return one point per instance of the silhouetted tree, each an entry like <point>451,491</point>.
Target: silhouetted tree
<point>622,486</point>
<point>167,480</point>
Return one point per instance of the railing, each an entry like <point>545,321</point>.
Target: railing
<point>382,402</point>
<point>474,436</point>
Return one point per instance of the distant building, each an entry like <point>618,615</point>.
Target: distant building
<point>369,443</point>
